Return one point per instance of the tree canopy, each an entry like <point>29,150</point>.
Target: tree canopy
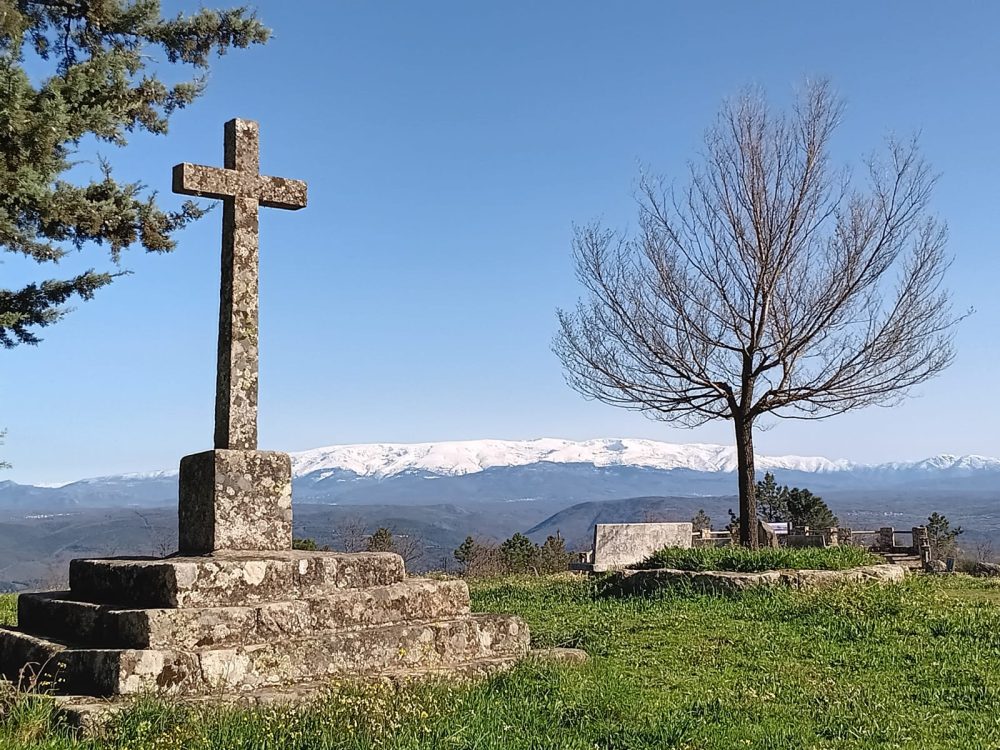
<point>102,61</point>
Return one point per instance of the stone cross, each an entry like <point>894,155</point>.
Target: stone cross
<point>241,188</point>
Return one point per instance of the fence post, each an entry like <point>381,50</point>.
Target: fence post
<point>886,539</point>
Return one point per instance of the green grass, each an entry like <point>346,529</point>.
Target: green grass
<point>915,665</point>
<point>8,609</point>
<point>749,561</point>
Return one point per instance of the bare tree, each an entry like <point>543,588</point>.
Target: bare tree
<point>410,547</point>
<point>771,283</point>
<point>351,534</point>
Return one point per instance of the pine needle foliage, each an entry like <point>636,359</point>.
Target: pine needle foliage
<point>102,61</point>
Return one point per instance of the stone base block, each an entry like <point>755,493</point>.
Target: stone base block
<point>90,716</point>
<point>111,672</point>
<point>235,500</point>
<point>58,615</point>
<point>230,578</point>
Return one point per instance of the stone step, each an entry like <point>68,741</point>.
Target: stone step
<point>229,578</point>
<point>59,615</point>
<point>110,672</point>
<point>90,716</point>
<point>906,560</point>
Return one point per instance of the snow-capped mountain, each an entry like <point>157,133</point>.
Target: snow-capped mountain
<point>523,470</point>
<point>455,458</point>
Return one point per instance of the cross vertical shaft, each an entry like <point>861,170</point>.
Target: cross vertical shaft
<point>236,384</point>
<point>242,189</point>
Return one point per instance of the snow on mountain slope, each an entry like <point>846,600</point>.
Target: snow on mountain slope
<point>384,460</point>
<point>459,458</point>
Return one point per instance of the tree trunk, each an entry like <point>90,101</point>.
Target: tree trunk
<point>747,478</point>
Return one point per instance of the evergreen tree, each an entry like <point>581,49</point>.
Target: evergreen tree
<point>100,83</point>
<point>772,500</point>
<point>381,541</point>
<point>798,507</point>
<point>552,555</point>
<point>465,550</point>
<point>519,553</point>
<point>807,509</point>
<point>306,544</point>
<point>941,535</point>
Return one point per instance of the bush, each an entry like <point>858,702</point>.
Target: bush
<point>745,560</point>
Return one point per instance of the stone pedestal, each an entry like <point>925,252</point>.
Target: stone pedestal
<point>235,500</point>
<point>248,626</point>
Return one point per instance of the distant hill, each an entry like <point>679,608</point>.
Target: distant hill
<point>530,471</point>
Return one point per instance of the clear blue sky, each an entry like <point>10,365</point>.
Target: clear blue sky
<point>449,147</point>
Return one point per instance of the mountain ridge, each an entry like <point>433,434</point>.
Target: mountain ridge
<point>464,457</point>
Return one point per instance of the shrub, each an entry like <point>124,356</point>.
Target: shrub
<point>701,520</point>
<point>745,560</point>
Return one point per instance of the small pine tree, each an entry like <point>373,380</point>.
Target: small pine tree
<point>807,509</point>
<point>380,541</point>
<point>701,520</point>
<point>942,536</point>
<point>308,545</point>
<point>772,500</point>
<point>465,550</point>
<point>552,556</point>
<point>519,553</point>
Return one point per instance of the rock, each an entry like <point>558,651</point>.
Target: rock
<point>765,535</point>
<point>235,500</point>
<point>727,582</point>
<point>935,566</point>
<point>986,570</point>
<point>560,655</point>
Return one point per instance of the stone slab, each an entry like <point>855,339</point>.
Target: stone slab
<point>619,545</point>
<point>89,716</point>
<point>58,615</point>
<point>728,582</point>
<point>110,672</point>
<point>229,579</point>
<point>235,500</point>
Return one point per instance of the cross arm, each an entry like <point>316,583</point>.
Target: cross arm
<point>280,192</point>
<point>212,182</point>
<point>208,182</point>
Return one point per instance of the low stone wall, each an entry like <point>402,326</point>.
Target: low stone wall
<point>727,582</point>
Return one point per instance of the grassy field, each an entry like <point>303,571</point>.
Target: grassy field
<point>752,560</point>
<point>911,666</point>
